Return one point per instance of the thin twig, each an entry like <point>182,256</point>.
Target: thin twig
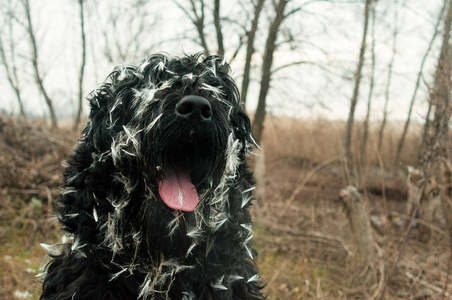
<point>448,273</point>
<point>405,239</point>
<point>303,182</point>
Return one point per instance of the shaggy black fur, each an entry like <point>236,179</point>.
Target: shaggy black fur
<point>125,242</point>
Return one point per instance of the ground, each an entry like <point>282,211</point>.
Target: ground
<point>301,229</point>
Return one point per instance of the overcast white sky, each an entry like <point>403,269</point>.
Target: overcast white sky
<point>330,35</point>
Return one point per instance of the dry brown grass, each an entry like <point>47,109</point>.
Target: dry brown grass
<point>301,230</point>
<point>30,175</point>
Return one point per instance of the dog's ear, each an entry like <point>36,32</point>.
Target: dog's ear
<point>110,106</point>
<point>97,130</point>
<point>242,129</point>
<point>111,103</point>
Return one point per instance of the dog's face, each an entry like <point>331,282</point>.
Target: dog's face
<point>176,122</point>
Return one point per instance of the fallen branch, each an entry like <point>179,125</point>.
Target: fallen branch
<point>427,284</point>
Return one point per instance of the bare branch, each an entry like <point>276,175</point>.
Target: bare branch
<point>250,50</point>
<point>388,82</point>
<point>418,80</point>
<point>11,77</point>
<point>82,65</point>
<point>35,63</point>
<point>354,100</point>
<point>371,89</point>
<point>216,20</point>
<point>301,62</point>
<point>270,48</point>
<point>198,21</point>
<point>236,52</point>
<point>10,67</point>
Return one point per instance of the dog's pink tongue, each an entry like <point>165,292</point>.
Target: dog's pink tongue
<point>178,192</point>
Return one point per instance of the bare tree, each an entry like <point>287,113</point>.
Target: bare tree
<point>440,98</point>
<point>10,64</point>
<point>270,47</point>
<point>418,81</point>
<point>436,149</point>
<point>354,100</point>
<point>197,17</point>
<point>388,82</point>
<point>251,34</point>
<point>368,272</point>
<point>82,66</point>
<point>426,130</point>
<point>119,44</point>
<point>371,89</point>
<point>35,62</point>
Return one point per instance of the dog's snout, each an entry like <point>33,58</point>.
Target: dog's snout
<point>194,108</point>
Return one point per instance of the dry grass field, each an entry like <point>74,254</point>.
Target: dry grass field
<point>301,228</point>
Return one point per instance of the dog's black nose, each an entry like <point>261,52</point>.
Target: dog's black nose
<point>194,108</point>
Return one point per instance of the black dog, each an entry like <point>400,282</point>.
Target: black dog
<point>156,192</point>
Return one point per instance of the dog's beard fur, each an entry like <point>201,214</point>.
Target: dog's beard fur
<point>112,204</point>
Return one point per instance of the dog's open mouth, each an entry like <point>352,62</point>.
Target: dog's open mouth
<point>178,191</point>
<point>184,175</point>
<point>191,161</point>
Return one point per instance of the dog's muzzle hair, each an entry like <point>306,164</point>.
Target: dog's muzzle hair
<point>157,190</point>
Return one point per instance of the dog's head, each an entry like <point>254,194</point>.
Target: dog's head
<point>175,121</point>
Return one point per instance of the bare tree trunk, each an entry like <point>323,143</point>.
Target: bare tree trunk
<point>371,89</point>
<point>270,46</point>
<point>38,76</point>
<point>388,83</point>
<point>426,131</point>
<point>216,20</point>
<point>446,194</point>
<point>250,51</point>
<point>354,101</point>
<point>418,80</point>
<point>200,26</point>
<point>440,98</point>
<point>12,79</point>
<point>82,67</point>
<point>10,67</point>
<point>358,217</point>
<point>436,150</point>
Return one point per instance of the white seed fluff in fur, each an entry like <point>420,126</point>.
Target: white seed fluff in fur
<point>51,249</point>
<point>150,126</point>
<point>254,278</point>
<point>190,249</point>
<point>246,200</point>
<point>116,275</point>
<point>247,226</point>
<point>195,233</point>
<point>219,284</point>
<point>232,157</point>
<point>96,218</point>
<point>217,92</point>
<point>247,246</point>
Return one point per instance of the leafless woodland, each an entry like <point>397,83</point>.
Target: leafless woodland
<point>350,101</point>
